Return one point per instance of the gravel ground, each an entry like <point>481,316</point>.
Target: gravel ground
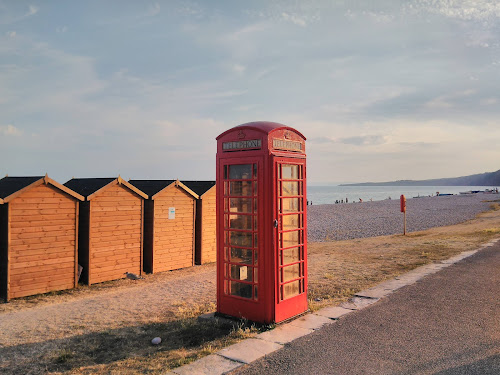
<point>329,222</point>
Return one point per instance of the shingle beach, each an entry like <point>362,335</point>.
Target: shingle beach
<point>329,222</point>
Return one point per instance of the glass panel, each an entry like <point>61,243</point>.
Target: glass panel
<point>226,188</point>
<point>255,275</point>
<point>241,256</point>
<point>255,188</point>
<point>240,172</point>
<point>255,240</point>
<point>290,222</point>
<point>243,239</point>
<point>240,222</point>
<point>255,223</point>
<point>240,205</point>
<point>291,289</point>
<point>290,205</point>
<point>290,172</point>
<point>240,289</point>
<point>240,188</point>
<point>291,255</point>
<point>255,171</point>
<point>290,238</point>
<point>255,258</point>
<point>241,272</point>
<point>226,254</point>
<point>290,188</point>
<point>225,172</point>
<point>256,290</point>
<point>291,272</point>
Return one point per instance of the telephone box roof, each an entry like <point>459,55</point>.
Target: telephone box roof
<point>261,126</point>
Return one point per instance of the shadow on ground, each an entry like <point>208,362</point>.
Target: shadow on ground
<point>111,346</point>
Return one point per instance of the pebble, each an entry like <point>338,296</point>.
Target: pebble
<point>156,341</point>
<point>330,222</point>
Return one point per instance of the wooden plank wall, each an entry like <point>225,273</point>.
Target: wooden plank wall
<point>115,234</point>
<point>173,246</point>
<point>42,246</point>
<point>208,227</point>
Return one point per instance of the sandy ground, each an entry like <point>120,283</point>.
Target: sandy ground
<point>125,303</point>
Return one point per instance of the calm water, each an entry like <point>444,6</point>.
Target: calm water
<point>329,194</point>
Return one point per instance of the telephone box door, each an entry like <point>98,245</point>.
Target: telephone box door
<point>290,237</point>
<point>240,271</point>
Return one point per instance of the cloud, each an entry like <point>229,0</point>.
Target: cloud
<point>11,34</point>
<point>364,140</point>
<point>154,10</point>
<point>10,130</point>
<point>479,10</point>
<point>32,10</point>
<point>61,29</point>
<point>294,19</point>
<point>237,68</point>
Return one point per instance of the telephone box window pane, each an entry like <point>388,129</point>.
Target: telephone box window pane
<point>240,205</point>
<point>240,222</point>
<point>241,273</point>
<point>290,188</point>
<point>255,258</point>
<point>290,205</point>
<point>241,256</point>
<point>255,205</point>
<point>240,188</point>
<point>255,275</point>
<point>255,171</point>
<point>255,240</point>
<point>225,172</point>
<point>290,238</point>
<point>255,223</point>
<point>290,172</point>
<point>291,255</point>
<point>240,289</point>
<point>242,239</point>
<point>291,272</point>
<point>255,190</point>
<point>240,172</point>
<point>291,289</point>
<point>256,292</point>
<point>290,222</point>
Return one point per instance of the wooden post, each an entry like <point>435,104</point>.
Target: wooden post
<point>404,230</point>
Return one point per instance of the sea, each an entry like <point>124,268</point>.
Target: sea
<point>329,194</point>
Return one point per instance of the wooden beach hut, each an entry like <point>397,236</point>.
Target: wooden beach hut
<point>111,228</point>
<point>206,246</point>
<point>38,236</point>
<point>169,224</point>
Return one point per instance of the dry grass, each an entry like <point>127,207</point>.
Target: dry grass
<point>337,270</point>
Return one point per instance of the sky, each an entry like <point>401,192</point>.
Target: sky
<point>382,90</point>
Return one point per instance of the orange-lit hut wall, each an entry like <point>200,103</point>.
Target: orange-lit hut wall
<point>114,220</point>
<point>40,226</point>
<point>206,251</point>
<point>171,243</point>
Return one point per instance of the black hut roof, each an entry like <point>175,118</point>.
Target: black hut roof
<point>88,186</point>
<point>199,187</point>
<point>9,185</point>
<point>151,187</point>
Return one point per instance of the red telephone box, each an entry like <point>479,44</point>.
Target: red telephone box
<point>261,222</point>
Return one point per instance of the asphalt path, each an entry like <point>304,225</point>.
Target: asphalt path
<point>447,323</point>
